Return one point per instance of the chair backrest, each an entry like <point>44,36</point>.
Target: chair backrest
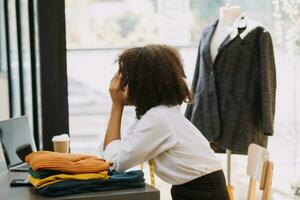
<point>260,169</point>
<point>257,156</point>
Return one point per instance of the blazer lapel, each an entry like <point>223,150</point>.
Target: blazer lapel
<point>240,23</point>
<point>225,42</point>
<point>208,37</point>
<point>206,45</point>
<point>207,41</point>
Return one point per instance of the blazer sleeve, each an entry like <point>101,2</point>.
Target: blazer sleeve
<point>189,108</point>
<point>267,82</point>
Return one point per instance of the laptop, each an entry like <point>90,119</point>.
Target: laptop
<point>16,141</point>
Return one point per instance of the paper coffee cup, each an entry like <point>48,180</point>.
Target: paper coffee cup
<point>61,143</point>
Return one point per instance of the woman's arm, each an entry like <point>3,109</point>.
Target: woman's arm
<point>149,137</point>
<point>119,99</point>
<point>114,124</point>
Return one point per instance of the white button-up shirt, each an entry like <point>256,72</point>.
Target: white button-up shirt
<point>180,152</point>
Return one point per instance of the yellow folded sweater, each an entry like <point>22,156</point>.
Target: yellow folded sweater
<point>39,183</point>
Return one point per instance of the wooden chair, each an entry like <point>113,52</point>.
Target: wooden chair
<point>260,169</point>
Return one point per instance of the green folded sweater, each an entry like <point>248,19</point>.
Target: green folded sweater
<point>43,173</point>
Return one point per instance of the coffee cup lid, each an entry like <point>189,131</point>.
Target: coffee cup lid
<point>61,138</point>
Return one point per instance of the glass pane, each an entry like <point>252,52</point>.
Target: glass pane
<point>2,39</point>
<point>37,60</point>
<point>26,58</point>
<point>14,58</point>
<point>4,102</point>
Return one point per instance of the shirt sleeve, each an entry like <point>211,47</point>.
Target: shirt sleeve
<point>151,136</point>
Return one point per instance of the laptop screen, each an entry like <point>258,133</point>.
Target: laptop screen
<point>15,134</point>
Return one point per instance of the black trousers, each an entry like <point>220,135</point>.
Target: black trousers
<point>209,187</point>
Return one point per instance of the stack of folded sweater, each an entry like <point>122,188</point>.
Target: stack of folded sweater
<point>59,174</point>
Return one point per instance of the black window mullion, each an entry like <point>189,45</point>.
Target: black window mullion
<point>33,72</point>
<point>8,59</point>
<point>53,69</point>
<point>20,56</point>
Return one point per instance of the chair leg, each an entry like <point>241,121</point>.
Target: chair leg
<point>230,191</point>
<point>267,193</point>
<point>252,190</point>
<point>263,175</point>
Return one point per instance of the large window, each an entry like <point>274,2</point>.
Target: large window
<point>98,30</point>
<point>16,60</point>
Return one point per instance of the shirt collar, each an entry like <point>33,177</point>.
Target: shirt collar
<point>240,22</point>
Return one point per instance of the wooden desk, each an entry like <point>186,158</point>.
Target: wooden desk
<point>28,193</point>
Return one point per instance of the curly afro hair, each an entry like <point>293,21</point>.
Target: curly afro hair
<point>155,77</point>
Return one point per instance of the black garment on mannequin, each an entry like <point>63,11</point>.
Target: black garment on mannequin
<point>234,96</point>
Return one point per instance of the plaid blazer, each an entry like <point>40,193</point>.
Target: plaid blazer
<point>234,97</point>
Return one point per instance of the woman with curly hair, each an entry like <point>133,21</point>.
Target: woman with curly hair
<point>152,79</point>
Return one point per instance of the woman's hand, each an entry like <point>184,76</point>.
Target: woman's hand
<point>118,97</point>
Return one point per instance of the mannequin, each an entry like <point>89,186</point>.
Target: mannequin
<point>227,17</point>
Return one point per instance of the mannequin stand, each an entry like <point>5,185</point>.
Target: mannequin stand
<point>229,186</point>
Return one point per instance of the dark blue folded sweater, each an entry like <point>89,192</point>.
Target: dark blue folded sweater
<point>130,179</point>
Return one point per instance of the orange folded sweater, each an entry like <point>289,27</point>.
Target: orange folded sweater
<point>66,162</point>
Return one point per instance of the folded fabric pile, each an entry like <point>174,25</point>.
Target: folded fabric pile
<point>58,174</point>
<point>66,162</point>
